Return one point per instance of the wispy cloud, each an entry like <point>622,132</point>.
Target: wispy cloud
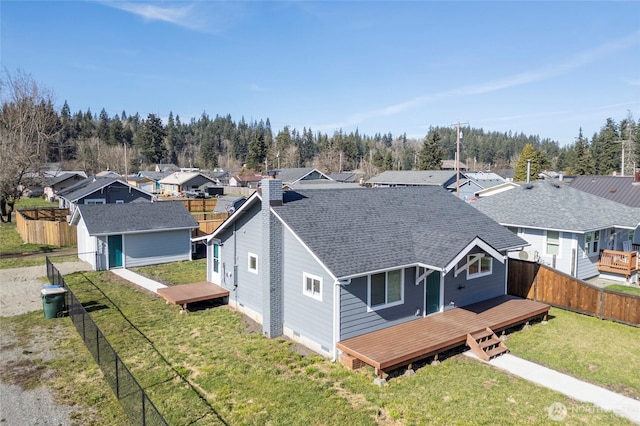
<point>201,16</point>
<point>576,61</point>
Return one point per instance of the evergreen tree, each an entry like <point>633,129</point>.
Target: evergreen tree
<point>257,151</point>
<point>149,139</point>
<point>103,126</point>
<point>584,164</point>
<point>430,156</point>
<point>606,148</point>
<point>528,154</point>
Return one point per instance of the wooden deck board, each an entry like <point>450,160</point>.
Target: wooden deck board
<point>404,343</point>
<point>189,293</point>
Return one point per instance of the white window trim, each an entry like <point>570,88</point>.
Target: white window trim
<point>311,294</point>
<point>546,244</point>
<point>89,201</point>
<point>587,252</point>
<point>386,281</point>
<point>119,201</point>
<point>478,259</point>
<point>249,256</point>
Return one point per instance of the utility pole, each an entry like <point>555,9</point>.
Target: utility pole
<point>458,137</point>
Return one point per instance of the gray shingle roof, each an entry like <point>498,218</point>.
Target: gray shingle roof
<point>413,177</point>
<point>556,206</point>
<point>353,231</point>
<point>620,189</point>
<point>90,185</point>
<point>294,174</point>
<point>102,219</point>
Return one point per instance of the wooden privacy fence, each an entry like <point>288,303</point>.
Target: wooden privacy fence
<point>200,204</point>
<point>544,284</point>
<point>209,222</point>
<point>47,226</point>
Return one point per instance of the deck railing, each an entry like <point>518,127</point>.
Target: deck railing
<point>618,262</point>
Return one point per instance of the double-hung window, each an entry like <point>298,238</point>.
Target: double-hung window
<point>591,242</point>
<point>553,243</point>
<point>386,289</point>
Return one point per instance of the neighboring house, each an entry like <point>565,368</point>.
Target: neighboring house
<point>472,182</point>
<point>229,203</point>
<point>451,165</point>
<point>155,176</point>
<point>128,235</point>
<point>60,182</point>
<point>346,177</point>
<point>622,189</point>
<point>179,182</point>
<point>102,191</point>
<point>220,177</point>
<point>167,168</point>
<point>291,176</point>
<point>506,174</point>
<point>393,178</point>
<point>565,228</point>
<point>322,266</point>
<point>245,181</point>
<point>108,174</point>
<point>142,182</point>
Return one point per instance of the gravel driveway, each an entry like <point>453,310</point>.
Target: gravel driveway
<point>20,293</point>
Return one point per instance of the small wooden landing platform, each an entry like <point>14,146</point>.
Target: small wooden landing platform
<point>189,293</point>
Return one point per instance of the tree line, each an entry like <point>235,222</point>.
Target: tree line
<point>34,132</point>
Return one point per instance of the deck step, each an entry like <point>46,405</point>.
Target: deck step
<point>485,344</point>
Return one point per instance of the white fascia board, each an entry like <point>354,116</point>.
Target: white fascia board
<point>477,241</point>
<point>393,268</point>
<point>144,231</point>
<point>245,206</point>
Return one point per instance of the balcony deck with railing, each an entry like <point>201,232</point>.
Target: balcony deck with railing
<point>618,262</point>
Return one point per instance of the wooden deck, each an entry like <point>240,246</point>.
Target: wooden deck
<point>189,293</point>
<point>412,341</point>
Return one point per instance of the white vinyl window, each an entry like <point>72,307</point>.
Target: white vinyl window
<point>386,289</point>
<point>553,243</point>
<point>253,263</point>
<point>479,266</point>
<point>591,242</point>
<point>95,201</point>
<point>312,286</point>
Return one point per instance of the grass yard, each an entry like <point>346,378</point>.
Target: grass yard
<point>624,289</point>
<point>211,366</point>
<point>176,273</point>
<point>601,352</point>
<point>53,355</point>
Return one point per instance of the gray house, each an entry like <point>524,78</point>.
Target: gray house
<point>127,235</point>
<point>565,228</point>
<point>321,266</point>
<point>106,190</point>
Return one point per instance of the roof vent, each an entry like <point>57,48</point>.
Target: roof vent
<point>528,186</point>
<point>556,184</point>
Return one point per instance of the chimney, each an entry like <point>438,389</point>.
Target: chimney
<point>636,177</point>
<point>271,264</point>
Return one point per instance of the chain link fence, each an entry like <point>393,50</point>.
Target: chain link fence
<point>135,402</point>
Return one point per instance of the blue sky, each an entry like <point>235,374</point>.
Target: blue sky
<point>545,68</point>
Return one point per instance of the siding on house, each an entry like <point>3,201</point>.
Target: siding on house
<point>476,289</point>
<point>247,240</point>
<point>354,318</point>
<point>156,247</point>
<point>308,317</point>
<point>114,193</point>
<point>587,265</point>
<point>86,245</point>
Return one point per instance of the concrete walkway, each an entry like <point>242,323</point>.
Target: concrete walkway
<point>577,389</point>
<point>138,279</point>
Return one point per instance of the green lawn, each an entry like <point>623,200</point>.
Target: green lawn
<point>209,367</point>
<point>66,367</point>
<point>624,289</point>
<point>601,352</point>
<point>176,273</point>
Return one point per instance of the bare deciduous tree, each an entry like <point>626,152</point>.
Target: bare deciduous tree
<point>28,121</point>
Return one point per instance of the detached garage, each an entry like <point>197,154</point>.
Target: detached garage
<point>136,234</point>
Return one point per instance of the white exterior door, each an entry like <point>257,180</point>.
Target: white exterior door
<point>216,266</point>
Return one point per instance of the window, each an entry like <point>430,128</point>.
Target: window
<point>386,289</point>
<point>513,229</point>
<point>119,201</point>
<point>553,243</point>
<point>591,242</point>
<point>253,263</point>
<point>312,286</point>
<point>95,201</point>
<point>479,266</point>
<point>216,258</point>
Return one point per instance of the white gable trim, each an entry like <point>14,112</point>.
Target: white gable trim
<point>477,242</point>
<point>234,216</point>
